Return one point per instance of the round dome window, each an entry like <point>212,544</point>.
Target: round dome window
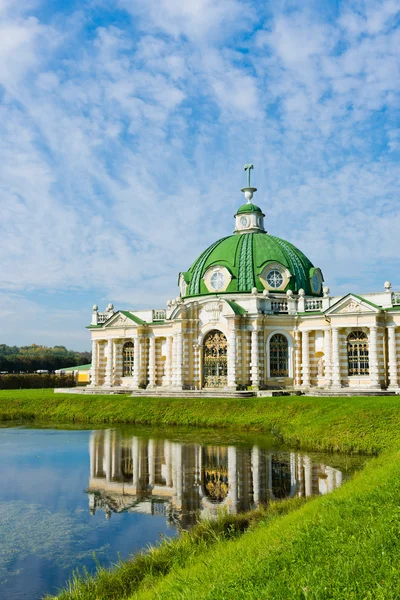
<point>275,278</point>
<point>217,280</point>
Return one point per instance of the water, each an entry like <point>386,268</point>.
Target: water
<point>66,494</point>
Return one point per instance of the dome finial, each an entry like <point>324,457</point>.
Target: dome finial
<point>248,169</point>
<point>248,191</point>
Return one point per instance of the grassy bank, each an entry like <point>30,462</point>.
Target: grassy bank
<point>341,546</point>
<point>357,424</point>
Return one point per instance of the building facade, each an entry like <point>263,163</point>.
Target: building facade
<point>253,312</point>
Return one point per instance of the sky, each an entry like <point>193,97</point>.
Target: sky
<point>125,125</point>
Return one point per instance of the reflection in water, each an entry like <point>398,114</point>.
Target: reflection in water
<point>184,481</point>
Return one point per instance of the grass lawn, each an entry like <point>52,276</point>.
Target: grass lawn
<point>342,546</point>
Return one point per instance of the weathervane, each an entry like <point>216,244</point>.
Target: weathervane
<point>248,169</point>
<point>248,191</point>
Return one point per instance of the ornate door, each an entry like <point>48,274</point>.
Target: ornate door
<point>215,361</point>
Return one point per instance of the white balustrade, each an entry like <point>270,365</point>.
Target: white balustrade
<point>313,305</point>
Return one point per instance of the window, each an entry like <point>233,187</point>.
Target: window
<point>278,356</point>
<point>275,279</point>
<point>127,359</point>
<point>217,280</point>
<point>358,353</point>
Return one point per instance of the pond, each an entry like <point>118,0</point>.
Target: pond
<point>67,495</point>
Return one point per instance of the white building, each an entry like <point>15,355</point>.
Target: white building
<point>252,313</point>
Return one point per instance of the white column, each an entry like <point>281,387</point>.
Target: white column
<point>179,357</point>
<point>136,361</point>
<point>232,476</point>
<point>305,360</point>
<point>336,379</point>
<point>373,357</point>
<point>95,359</point>
<point>152,363</point>
<point>173,359</point>
<point>393,376</point>
<point>109,364</point>
<point>168,351</point>
<point>297,359</point>
<point>255,380</point>
<point>327,357</point>
<point>232,358</point>
<point>339,478</point>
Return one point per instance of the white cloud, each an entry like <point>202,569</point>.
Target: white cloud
<point>122,149</point>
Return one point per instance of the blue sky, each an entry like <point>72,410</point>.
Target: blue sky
<point>125,125</point>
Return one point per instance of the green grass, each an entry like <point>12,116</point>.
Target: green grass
<point>349,424</point>
<point>342,546</point>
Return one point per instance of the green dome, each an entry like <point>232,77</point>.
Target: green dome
<point>249,208</point>
<point>246,256</point>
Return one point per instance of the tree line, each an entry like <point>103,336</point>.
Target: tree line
<point>28,359</point>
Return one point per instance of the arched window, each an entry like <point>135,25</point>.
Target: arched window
<point>358,353</point>
<point>278,356</point>
<point>127,359</point>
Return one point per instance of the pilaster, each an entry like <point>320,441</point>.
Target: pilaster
<point>297,359</point>
<point>327,357</point>
<point>152,363</point>
<point>232,357</point>
<point>255,379</point>
<point>109,364</point>
<point>373,357</point>
<point>94,367</point>
<point>168,352</point>
<point>136,361</point>
<point>393,376</point>
<point>305,350</point>
<point>336,379</point>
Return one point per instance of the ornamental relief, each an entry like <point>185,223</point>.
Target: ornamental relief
<point>351,307</point>
<point>211,313</point>
<point>120,322</point>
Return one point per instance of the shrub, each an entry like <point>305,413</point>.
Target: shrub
<point>36,380</point>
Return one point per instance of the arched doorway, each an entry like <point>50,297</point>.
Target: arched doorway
<point>215,359</point>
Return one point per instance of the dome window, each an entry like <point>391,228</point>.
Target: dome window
<point>274,279</point>
<point>217,279</point>
<point>316,280</point>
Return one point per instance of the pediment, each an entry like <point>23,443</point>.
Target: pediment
<point>352,305</point>
<point>119,319</point>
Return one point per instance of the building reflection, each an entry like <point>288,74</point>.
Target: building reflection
<point>185,482</point>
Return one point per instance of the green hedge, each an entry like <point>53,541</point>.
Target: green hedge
<point>35,381</point>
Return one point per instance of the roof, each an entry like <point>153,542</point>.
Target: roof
<point>245,256</point>
<point>76,368</point>
<point>248,208</point>
<point>129,315</point>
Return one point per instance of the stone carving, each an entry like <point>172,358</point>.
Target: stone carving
<point>213,310</point>
<point>121,321</point>
<point>352,306</point>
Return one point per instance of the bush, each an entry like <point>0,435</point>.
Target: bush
<point>36,380</point>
